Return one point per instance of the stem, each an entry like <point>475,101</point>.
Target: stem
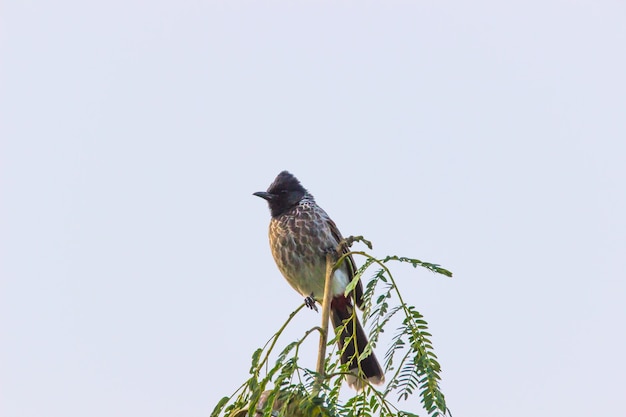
<point>326,301</point>
<point>274,338</point>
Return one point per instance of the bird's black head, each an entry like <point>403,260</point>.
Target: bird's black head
<point>283,194</point>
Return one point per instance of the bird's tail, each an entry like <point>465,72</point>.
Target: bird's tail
<point>352,333</point>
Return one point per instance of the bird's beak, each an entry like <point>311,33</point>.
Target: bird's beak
<point>264,195</point>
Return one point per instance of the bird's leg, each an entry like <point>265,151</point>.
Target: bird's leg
<point>310,302</point>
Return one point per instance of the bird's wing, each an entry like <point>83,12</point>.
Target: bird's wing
<point>358,290</point>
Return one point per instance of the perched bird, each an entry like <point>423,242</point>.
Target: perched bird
<point>301,233</point>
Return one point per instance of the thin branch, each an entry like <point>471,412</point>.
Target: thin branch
<point>274,338</point>
<point>326,301</point>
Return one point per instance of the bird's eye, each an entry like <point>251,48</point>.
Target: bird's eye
<point>284,191</point>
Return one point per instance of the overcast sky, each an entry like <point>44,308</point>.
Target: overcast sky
<point>487,136</point>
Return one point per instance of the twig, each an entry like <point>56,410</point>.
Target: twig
<point>326,301</point>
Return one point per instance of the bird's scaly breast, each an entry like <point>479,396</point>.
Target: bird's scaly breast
<point>298,245</point>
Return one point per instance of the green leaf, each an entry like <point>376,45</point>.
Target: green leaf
<point>352,285</point>
<point>255,360</point>
<point>218,408</point>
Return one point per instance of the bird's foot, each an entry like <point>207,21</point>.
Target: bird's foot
<point>310,302</point>
<point>334,251</point>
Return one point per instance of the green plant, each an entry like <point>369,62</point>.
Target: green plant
<point>411,366</point>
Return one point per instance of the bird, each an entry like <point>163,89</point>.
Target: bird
<point>301,233</point>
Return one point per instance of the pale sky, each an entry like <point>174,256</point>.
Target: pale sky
<point>487,136</point>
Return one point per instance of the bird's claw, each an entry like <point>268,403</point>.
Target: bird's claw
<point>331,250</point>
<point>310,303</point>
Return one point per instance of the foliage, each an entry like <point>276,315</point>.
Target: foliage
<point>411,367</point>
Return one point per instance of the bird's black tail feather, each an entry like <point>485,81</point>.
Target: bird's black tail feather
<point>341,311</point>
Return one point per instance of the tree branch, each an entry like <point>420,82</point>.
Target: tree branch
<point>326,301</point>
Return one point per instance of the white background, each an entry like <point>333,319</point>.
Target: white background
<point>136,278</point>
